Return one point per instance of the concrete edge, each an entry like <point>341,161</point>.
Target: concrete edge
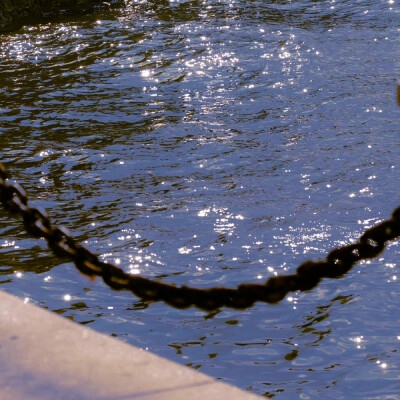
<point>44,356</point>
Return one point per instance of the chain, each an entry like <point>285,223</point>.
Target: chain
<point>338,262</point>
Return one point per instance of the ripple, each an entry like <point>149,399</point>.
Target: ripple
<point>214,143</point>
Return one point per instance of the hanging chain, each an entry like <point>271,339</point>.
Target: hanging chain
<point>338,262</point>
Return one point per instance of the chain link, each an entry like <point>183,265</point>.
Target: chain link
<point>338,262</point>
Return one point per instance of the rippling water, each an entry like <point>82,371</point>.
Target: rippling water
<point>213,143</point>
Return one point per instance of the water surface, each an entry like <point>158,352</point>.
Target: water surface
<point>213,143</point>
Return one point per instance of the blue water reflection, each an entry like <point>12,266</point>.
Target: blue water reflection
<point>214,143</point>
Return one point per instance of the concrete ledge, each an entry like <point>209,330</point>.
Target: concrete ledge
<point>46,357</point>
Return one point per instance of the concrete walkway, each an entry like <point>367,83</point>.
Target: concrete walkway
<point>46,357</point>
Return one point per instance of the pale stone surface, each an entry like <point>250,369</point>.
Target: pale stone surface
<point>46,357</point>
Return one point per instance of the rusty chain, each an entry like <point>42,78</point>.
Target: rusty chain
<point>338,262</point>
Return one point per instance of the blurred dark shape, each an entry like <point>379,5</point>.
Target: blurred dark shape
<point>16,13</point>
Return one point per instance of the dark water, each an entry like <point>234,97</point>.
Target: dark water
<point>213,143</point>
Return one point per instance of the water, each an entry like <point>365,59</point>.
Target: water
<point>214,143</point>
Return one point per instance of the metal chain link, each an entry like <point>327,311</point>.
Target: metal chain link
<point>338,262</point>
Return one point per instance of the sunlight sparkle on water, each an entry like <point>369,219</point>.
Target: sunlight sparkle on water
<point>184,250</point>
<point>358,340</point>
<point>146,73</point>
<point>383,365</point>
<point>133,269</point>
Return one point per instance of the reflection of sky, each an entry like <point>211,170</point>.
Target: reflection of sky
<point>225,95</point>
<point>212,143</point>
